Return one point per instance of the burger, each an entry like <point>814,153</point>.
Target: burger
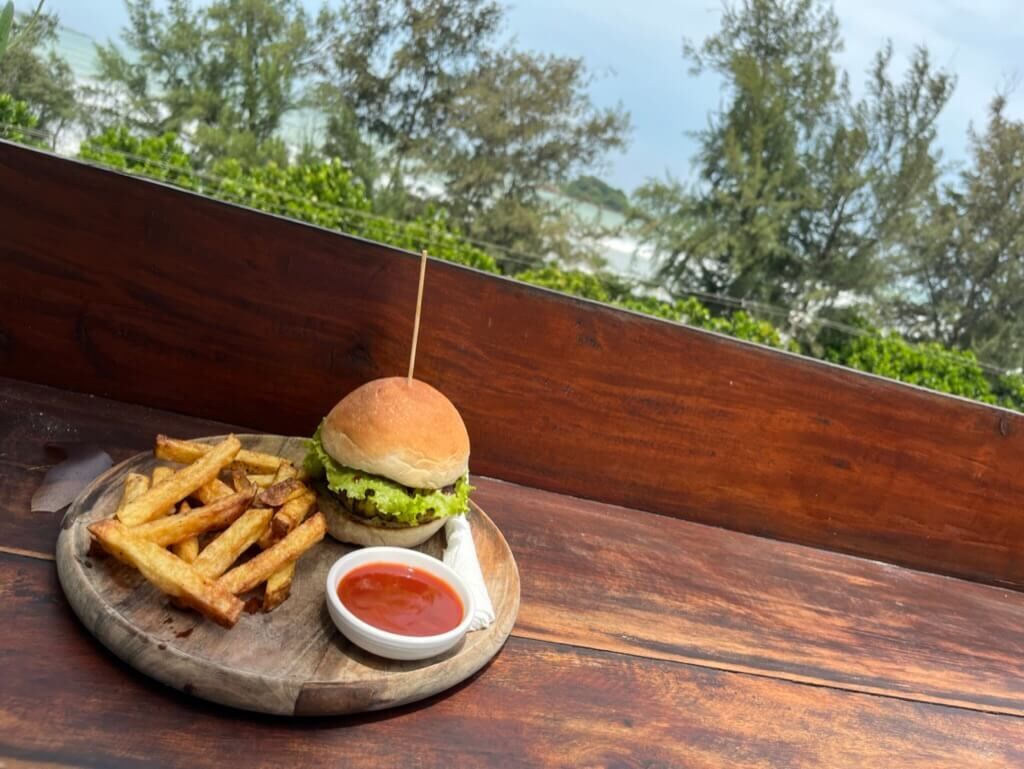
<point>390,463</point>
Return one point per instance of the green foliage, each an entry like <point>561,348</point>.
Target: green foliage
<point>599,288</point>
<point>433,232</point>
<point>744,326</point>
<point>1009,391</point>
<point>17,123</point>
<point>409,88</point>
<point>929,365</point>
<point>157,157</point>
<point>966,269</point>
<point>519,122</point>
<point>803,193</point>
<point>428,82</point>
<point>234,68</point>
<point>33,74</point>
<point>590,189</point>
<point>397,65</point>
<point>346,142</point>
<point>8,38</point>
<point>6,22</point>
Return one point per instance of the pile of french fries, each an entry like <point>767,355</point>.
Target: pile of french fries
<point>164,525</point>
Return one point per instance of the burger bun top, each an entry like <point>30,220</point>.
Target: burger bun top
<point>403,430</point>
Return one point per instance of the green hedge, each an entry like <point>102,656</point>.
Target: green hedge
<point>17,121</point>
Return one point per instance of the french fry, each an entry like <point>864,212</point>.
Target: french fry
<point>253,572</point>
<point>212,491</point>
<point>135,484</point>
<point>261,480</point>
<point>161,474</point>
<point>175,528</point>
<point>159,498</point>
<point>168,573</point>
<point>239,479</point>
<point>279,585</point>
<point>292,513</point>
<point>187,549</point>
<point>268,538</point>
<point>284,472</point>
<point>281,492</point>
<point>186,452</point>
<point>218,556</point>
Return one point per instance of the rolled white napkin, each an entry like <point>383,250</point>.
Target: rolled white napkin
<point>460,556</point>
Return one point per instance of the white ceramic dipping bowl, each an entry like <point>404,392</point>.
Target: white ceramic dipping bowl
<point>381,642</point>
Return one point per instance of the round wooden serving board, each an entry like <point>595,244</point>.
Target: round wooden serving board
<point>291,661</point>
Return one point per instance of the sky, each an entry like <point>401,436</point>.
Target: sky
<point>634,51</point>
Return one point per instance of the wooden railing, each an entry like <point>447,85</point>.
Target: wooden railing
<point>122,287</point>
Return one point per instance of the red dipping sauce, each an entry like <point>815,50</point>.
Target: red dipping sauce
<point>401,599</point>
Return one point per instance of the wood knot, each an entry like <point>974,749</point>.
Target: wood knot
<point>1005,426</point>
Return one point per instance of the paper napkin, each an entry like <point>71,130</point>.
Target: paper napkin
<point>460,556</point>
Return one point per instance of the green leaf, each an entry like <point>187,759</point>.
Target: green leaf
<point>6,21</point>
<point>402,505</point>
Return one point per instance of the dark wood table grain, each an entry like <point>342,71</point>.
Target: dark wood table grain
<point>642,640</point>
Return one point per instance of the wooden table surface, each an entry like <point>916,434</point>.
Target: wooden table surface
<point>642,641</point>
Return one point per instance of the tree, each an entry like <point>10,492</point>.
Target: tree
<point>397,65</point>
<point>431,85</point>
<point>39,78</point>
<point>804,194</point>
<point>6,23</point>
<point>344,140</point>
<point>967,270</point>
<point>229,72</point>
<point>590,189</point>
<point>519,123</point>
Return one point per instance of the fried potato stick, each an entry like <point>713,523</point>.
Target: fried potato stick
<point>253,572</point>
<point>168,573</point>
<point>279,587</point>
<point>187,549</point>
<point>293,512</point>
<point>159,475</point>
<point>184,482</point>
<point>135,484</point>
<point>281,492</point>
<point>175,528</point>
<point>175,450</point>
<point>218,556</point>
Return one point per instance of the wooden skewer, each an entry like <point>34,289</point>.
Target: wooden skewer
<point>416,323</point>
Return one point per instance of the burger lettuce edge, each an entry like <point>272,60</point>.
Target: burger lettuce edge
<point>391,499</point>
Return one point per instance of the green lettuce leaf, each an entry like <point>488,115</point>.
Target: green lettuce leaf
<point>391,500</point>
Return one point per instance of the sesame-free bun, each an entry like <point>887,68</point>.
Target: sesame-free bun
<point>403,430</point>
<point>348,528</point>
